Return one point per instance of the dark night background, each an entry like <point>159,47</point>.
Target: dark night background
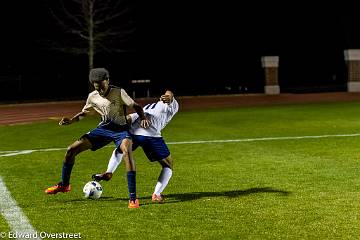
<point>194,47</point>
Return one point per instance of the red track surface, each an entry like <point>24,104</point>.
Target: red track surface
<point>34,112</point>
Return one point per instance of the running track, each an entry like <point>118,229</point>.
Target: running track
<point>35,112</point>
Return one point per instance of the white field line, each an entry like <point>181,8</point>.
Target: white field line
<point>18,222</point>
<point>21,152</point>
<point>265,139</point>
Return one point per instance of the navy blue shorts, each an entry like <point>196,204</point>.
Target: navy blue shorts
<point>154,148</point>
<point>106,133</point>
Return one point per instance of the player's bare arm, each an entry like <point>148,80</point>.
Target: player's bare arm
<point>145,123</point>
<point>75,118</point>
<point>128,119</point>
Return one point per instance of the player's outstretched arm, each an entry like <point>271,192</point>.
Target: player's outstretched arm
<point>145,123</point>
<point>75,118</point>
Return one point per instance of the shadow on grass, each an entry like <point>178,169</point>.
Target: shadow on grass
<point>191,196</point>
<point>181,197</point>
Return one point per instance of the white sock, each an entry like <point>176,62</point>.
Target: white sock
<point>163,180</point>
<point>114,161</point>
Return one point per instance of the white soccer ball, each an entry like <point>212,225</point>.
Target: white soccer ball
<point>92,190</point>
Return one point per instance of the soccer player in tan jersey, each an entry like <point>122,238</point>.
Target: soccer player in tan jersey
<point>151,141</point>
<point>110,102</point>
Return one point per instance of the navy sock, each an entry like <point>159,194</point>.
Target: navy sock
<point>66,172</point>
<point>131,177</point>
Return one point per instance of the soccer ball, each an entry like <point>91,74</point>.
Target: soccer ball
<point>92,190</point>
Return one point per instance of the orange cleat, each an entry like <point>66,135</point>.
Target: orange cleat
<point>157,198</point>
<point>134,203</point>
<point>58,188</point>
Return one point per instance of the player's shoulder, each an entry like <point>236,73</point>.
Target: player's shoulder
<point>175,102</point>
<point>117,89</point>
<point>93,93</point>
<point>153,105</point>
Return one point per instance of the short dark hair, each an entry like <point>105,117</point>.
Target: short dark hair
<point>98,74</point>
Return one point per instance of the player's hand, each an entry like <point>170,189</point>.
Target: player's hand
<point>145,123</point>
<point>65,121</point>
<point>166,99</point>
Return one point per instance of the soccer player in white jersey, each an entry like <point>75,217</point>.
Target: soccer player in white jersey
<point>159,114</point>
<point>110,102</point>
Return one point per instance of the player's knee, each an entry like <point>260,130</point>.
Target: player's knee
<point>167,162</point>
<point>170,163</point>
<point>70,154</point>
<point>125,149</point>
<point>126,146</point>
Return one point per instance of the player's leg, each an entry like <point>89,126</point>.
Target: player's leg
<point>156,150</point>
<point>114,162</point>
<point>126,148</point>
<point>73,150</point>
<point>163,179</point>
<point>117,156</point>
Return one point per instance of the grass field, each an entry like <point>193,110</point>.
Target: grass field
<point>267,185</point>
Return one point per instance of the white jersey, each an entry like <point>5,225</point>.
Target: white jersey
<point>159,114</point>
<point>111,107</point>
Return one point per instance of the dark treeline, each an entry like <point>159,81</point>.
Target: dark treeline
<point>194,47</point>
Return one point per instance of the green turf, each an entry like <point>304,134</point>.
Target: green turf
<point>276,189</point>
<point>3,225</point>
